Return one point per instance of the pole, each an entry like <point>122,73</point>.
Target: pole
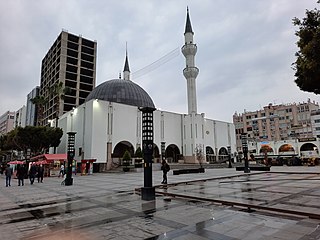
<point>229,156</point>
<point>70,156</point>
<point>245,152</point>
<point>147,191</point>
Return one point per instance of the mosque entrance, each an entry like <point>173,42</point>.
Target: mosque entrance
<point>120,149</point>
<point>223,155</point>
<point>172,153</point>
<point>210,155</point>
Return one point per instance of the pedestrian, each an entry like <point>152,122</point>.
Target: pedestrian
<point>61,170</point>
<point>40,173</point>
<point>32,173</point>
<point>165,169</point>
<point>21,173</point>
<point>8,172</point>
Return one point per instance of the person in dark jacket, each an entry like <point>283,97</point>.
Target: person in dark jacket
<point>32,173</point>
<point>40,173</point>
<point>165,169</point>
<point>8,172</point>
<point>21,172</point>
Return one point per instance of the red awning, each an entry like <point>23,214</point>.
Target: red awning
<point>88,160</point>
<point>51,157</point>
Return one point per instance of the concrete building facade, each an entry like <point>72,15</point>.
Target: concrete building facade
<point>20,117</point>
<point>6,122</point>
<point>276,123</point>
<point>315,123</point>
<point>31,109</point>
<point>70,62</point>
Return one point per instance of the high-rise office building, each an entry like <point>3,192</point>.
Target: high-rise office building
<point>68,75</point>
<point>32,109</point>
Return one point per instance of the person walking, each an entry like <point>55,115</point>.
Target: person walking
<point>21,172</point>
<point>32,173</point>
<point>165,169</point>
<point>8,172</point>
<point>40,173</point>
<point>61,170</point>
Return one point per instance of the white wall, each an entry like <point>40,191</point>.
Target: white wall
<point>168,129</point>
<point>90,122</point>
<point>124,124</point>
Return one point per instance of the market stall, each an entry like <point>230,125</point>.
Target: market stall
<point>52,162</point>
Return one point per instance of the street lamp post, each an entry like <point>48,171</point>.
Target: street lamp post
<point>147,191</point>
<point>245,152</point>
<point>70,156</point>
<point>163,150</point>
<point>229,156</point>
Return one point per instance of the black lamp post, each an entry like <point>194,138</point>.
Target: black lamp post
<point>229,156</point>
<point>147,191</point>
<point>70,156</point>
<point>163,150</point>
<point>245,152</point>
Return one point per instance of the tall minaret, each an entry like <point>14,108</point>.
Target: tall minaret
<point>126,70</point>
<point>190,72</point>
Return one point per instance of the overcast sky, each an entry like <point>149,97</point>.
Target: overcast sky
<point>245,48</point>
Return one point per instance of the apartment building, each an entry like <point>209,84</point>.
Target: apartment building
<point>276,122</point>
<point>6,122</point>
<point>70,64</point>
<point>315,122</point>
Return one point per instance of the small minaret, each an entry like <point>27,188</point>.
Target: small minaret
<point>126,70</point>
<point>189,50</point>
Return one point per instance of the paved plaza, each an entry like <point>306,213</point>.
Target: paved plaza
<point>218,204</point>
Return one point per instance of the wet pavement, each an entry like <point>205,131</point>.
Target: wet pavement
<point>218,204</point>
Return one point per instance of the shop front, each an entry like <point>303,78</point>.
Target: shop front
<point>87,166</point>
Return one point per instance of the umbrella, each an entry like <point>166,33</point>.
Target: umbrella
<point>16,162</point>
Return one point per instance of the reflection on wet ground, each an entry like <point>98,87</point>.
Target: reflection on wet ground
<point>213,205</point>
<point>280,192</point>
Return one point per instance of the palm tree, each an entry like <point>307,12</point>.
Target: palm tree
<point>58,91</point>
<point>40,102</point>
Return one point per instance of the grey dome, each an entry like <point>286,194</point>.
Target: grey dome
<point>121,91</point>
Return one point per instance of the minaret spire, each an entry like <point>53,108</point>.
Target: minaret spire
<point>190,72</point>
<point>188,24</point>
<point>126,70</point>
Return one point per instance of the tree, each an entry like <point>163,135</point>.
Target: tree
<point>307,65</point>
<point>58,91</point>
<point>126,160</point>
<point>138,153</point>
<point>37,139</point>
<point>40,102</point>
<point>199,154</point>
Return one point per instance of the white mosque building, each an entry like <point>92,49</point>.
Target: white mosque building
<point>109,122</point>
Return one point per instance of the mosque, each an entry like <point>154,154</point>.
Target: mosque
<point>109,122</point>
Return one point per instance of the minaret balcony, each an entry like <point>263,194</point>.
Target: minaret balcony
<point>190,72</point>
<point>189,49</point>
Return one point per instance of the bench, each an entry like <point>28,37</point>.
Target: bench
<point>188,170</point>
<point>254,168</point>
